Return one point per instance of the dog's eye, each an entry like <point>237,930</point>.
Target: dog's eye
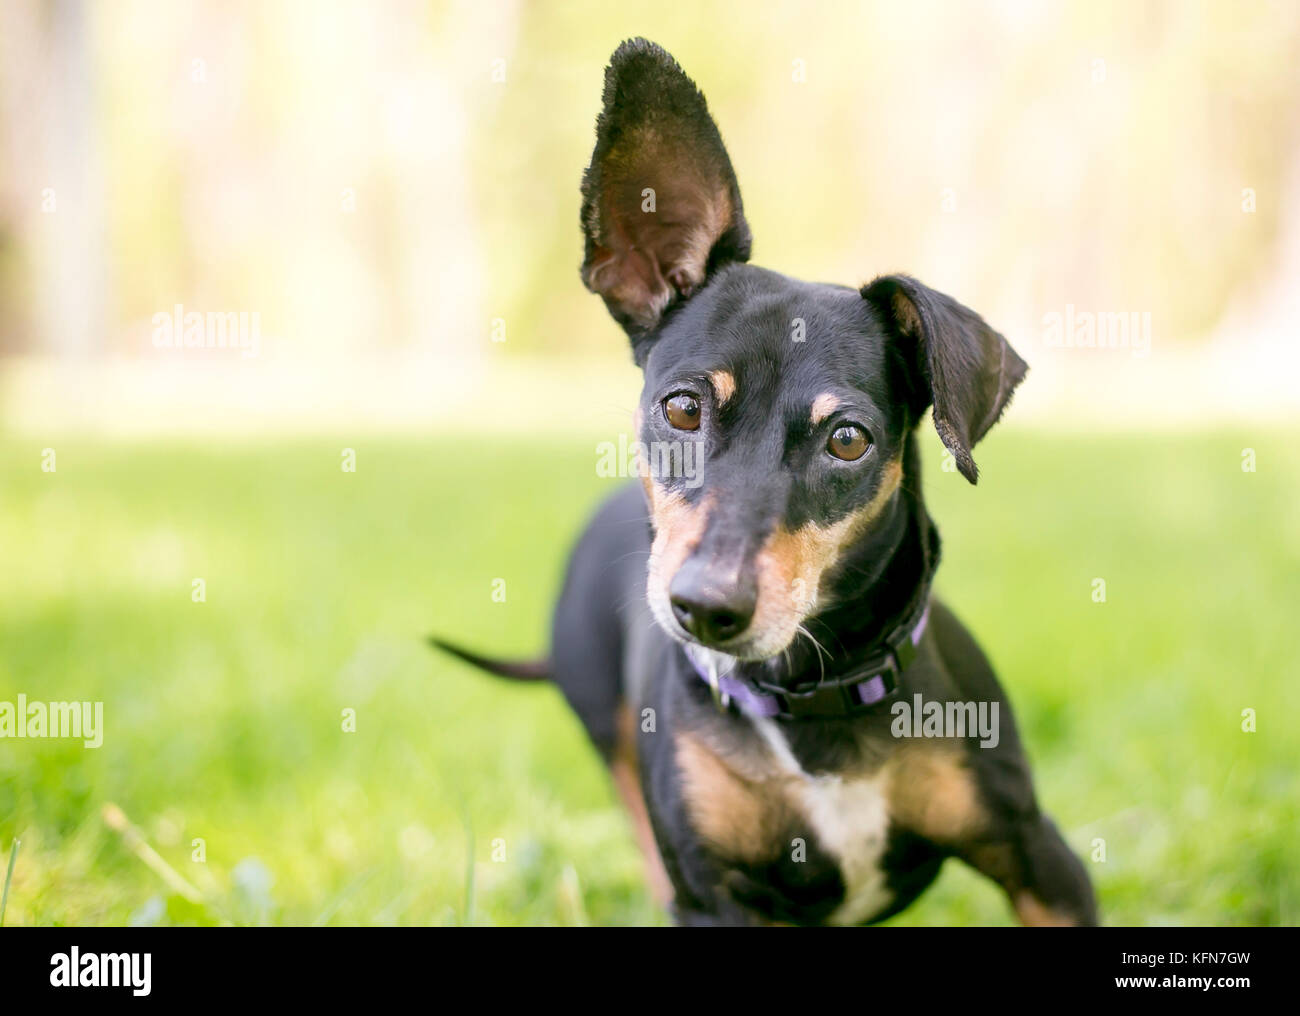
<point>849,442</point>
<point>682,411</point>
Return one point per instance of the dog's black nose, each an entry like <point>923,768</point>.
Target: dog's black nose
<point>711,608</point>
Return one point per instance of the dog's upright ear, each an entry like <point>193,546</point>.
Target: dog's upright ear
<point>661,207</point>
<point>955,362</point>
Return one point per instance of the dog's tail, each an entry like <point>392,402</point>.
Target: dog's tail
<point>515,670</point>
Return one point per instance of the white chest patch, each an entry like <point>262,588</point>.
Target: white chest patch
<point>850,819</point>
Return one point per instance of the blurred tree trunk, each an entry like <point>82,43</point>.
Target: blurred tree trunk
<point>21,73</point>
<point>72,293</point>
<point>52,215</point>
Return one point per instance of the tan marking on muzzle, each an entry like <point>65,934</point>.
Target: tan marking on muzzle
<point>822,407</point>
<point>724,385</point>
<point>791,564</point>
<point>678,528</point>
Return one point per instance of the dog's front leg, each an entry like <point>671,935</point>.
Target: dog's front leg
<point>1046,882</point>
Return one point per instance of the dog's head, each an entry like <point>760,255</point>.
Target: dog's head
<point>775,412</point>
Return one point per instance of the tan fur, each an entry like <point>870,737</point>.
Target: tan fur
<point>804,556</point>
<point>678,527</point>
<point>745,800</point>
<point>746,803</point>
<point>905,314</point>
<point>739,818</point>
<point>931,791</point>
<point>822,407</point>
<point>724,385</point>
<point>627,781</point>
<point>1033,913</point>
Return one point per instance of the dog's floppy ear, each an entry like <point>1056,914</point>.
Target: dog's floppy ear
<point>660,204</point>
<point>957,363</point>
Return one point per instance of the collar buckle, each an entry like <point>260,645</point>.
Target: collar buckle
<point>856,692</point>
<point>818,700</point>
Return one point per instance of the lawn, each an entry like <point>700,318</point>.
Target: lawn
<point>460,800</point>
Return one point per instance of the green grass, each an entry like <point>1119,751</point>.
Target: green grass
<point>224,717</point>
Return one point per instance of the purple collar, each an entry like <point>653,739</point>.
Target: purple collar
<point>855,692</point>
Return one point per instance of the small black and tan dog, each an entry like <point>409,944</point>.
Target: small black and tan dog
<point>750,685</point>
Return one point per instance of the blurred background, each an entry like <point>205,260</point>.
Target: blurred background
<point>381,199</point>
<point>392,187</point>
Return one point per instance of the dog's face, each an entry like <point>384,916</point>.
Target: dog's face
<point>775,412</point>
<point>786,390</point>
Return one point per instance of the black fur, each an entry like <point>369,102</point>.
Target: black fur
<point>966,369</point>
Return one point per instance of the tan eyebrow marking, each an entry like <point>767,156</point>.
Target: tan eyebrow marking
<point>724,385</point>
<point>823,406</point>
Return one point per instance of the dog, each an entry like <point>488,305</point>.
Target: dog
<point>743,645</point>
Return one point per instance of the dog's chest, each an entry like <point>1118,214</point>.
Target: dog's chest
<point>804,846</point>
<point>849,817</point>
